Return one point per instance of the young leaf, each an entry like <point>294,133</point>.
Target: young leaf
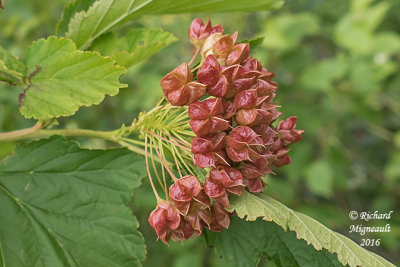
<point>103,15</point>
<point>245,242</point>
<point>133,47</point>
<point>253,206</point>
<point>65,206</point>
<point>61,79</point>
<point>11,69</point>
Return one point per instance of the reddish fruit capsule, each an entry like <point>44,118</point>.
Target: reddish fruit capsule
<point>222,180</point>
<point>199,31</point>
<point>184,191</point>
<point>221,218</point>
<point>215,76</point>
<point>210,116</point>
<point>287,132</point>
<point>209,150</point>
<point>178,87</point>
<point>165,220</point>
<point>244,144</point>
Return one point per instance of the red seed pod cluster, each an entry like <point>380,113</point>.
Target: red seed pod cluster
<point>235,137</point>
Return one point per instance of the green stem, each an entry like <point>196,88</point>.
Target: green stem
<point>37,132</point>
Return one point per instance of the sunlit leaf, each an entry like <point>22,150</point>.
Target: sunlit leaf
<point>11,69</point>
<point>136,45</point>
<point>253,206</point>
<point>62,79</point>
<point>103,15</point>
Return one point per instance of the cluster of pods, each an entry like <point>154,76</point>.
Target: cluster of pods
<point>231,113</point>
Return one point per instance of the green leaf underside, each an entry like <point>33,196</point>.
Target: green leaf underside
<point>65,206</point>
<point>11,69</point>
<point>133,47</point>
<point>103,15</point>
<point>253,206</point>
<point>245,242</point>
<point>63,79</point>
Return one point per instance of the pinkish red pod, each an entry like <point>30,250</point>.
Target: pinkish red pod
<point>165,220</point>
<point>179,88</point>
<point>287,132</point>
<point>236,140</point>
<point>244,144</point>
<point>221,181</point>
<point>209,116</point>
<point>198,31</point>
<point>209,150</point>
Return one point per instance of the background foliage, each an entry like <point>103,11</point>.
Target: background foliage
<point>337,65</point>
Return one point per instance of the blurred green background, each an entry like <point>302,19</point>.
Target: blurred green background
<point>337,64</point>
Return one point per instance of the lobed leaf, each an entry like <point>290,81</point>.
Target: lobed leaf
<point>103,15</point>
<point>254,206</point>
<point>11,69</point>
<point>133,47</point>
<point>245,242</point>
<point>65,206</point>
<point>61,79</point>
<point>69,11</point>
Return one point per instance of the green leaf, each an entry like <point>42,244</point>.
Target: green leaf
<point>62,79</point>
<point>253,206</point>
<point>136,45</point>
<point>103,15</point>
<point>65,206</point>
<point>11,69</point>
<point>245,242</point>
<point>69,11</point>
<point>254,43</point>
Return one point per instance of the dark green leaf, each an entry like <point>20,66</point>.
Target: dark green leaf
<point>245,242</point>
<point>65,206</point>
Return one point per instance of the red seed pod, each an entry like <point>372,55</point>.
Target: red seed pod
<point>251,109</point>
<point>228,52</point>
<point>199,214</point>
<point>266,133</point>
<point>240,79</point>
<point>244,144</point>
<point>198,31</point>
<point>239,53</point>
<point>279,153</point>
<point>252,173</point>
<point>178,87</point>
<point>221,218</point>
<point>215,76</point>
<point>287,132</point>
<point>184,191</point>
<point>183,232</point>
<point>208,116</point>
<point>165,220</point>
<point>222,180</point>
<point>208,151</point>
